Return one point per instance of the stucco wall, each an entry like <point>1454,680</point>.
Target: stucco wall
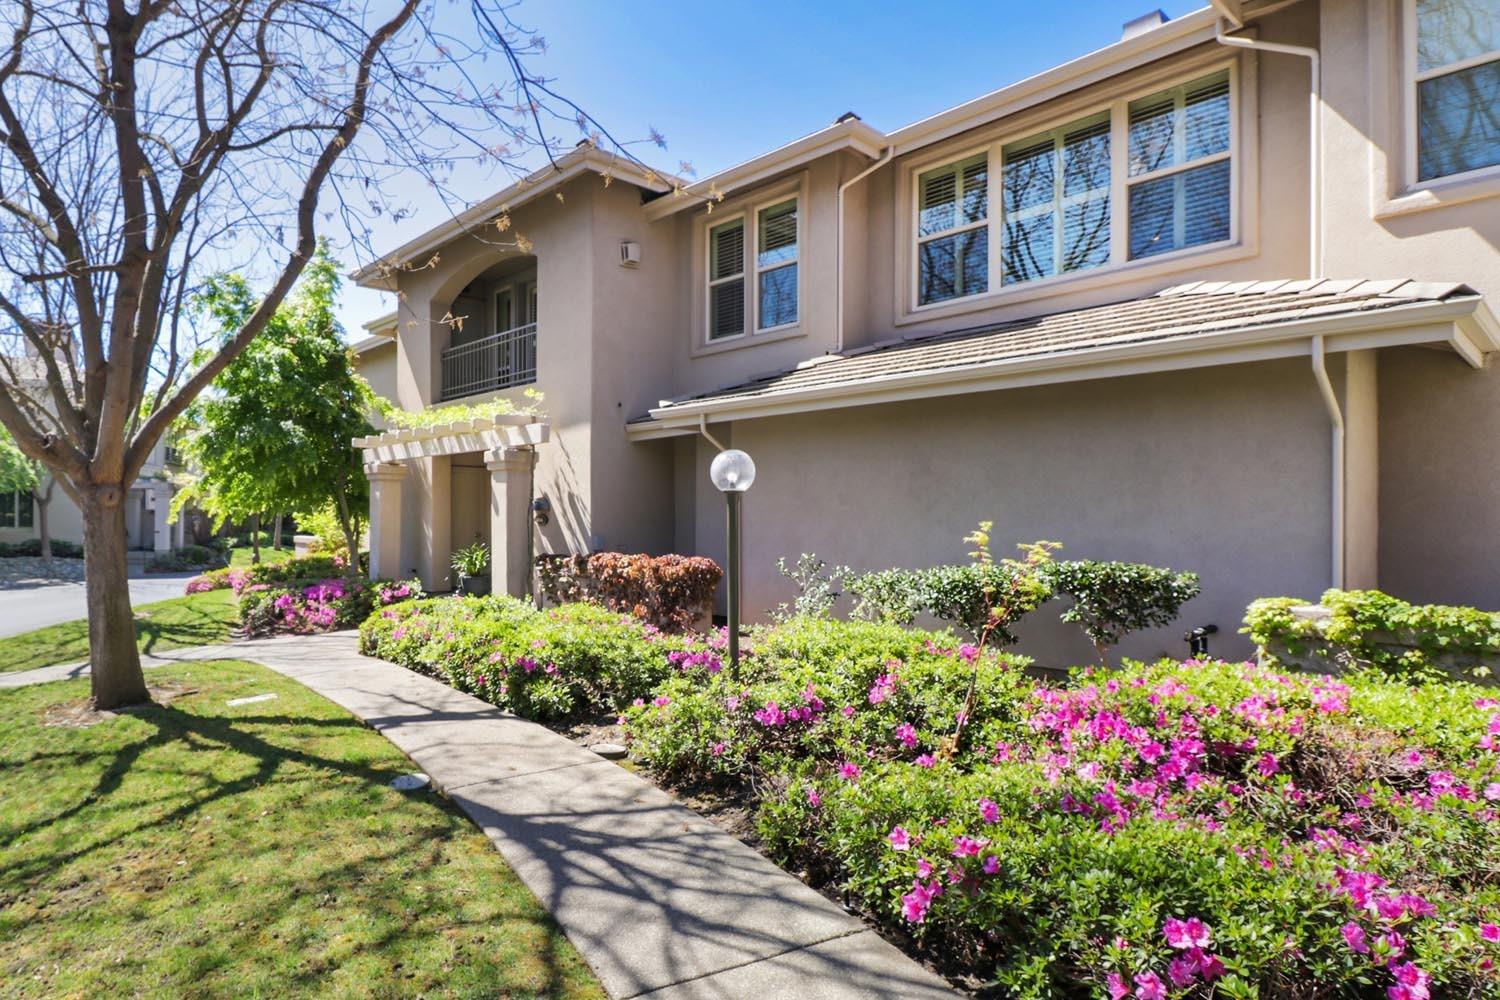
<point>1223,471</point>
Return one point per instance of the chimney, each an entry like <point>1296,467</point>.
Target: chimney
<point>1144,23</point>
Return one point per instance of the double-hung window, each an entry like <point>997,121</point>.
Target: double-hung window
<point>15,509</point>
<point>1055,201</point>
<point>1179,185</point>
<point>1457,86</point>
<point>776,265</point>
<point>726,280</point>
<point>953,239</point>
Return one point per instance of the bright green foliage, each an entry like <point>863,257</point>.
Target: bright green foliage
<point>201,849</point>
<point>471,560</point>
<point>561,663</point>
<point>1112,599</point>
<point>1367,628</point>
<point>17,472</point>
<point>274,433</point>
<point>456,412</point>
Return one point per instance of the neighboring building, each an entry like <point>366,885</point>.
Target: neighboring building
<point>1141,304</point>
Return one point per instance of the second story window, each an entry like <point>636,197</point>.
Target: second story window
<point>1056,201</point>
<point>726,280</point>
<point>1179,167</point>
<point>953,240</point>
<point>776,265</point>
<point>1457,86</point>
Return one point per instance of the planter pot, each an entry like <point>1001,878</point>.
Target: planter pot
<point>474,586</point>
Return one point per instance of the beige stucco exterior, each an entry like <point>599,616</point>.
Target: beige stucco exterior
<point>1225,470</point>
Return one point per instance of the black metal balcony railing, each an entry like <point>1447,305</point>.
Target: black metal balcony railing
<point>498,361</point>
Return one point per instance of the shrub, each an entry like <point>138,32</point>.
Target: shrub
<point>671,592</point>
<point>301,568</point>
<point>571,661</point>
<point>816,593</point>
<point>1218,829</point>
<point>318,605</point>
<point>187,557</point>
<point>1112,599</point>
<point>818,690</point>
<point>471,560</point>
<point>31,548</point>
<point>227,578</point>
<point>1367,629</point>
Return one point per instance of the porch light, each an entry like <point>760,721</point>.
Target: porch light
<point>732,473</point>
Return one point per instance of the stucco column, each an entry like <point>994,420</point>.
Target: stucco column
<point>161,516</point>
<point>385,518</point>
<point>1361,472</point>
<point>510,519</point>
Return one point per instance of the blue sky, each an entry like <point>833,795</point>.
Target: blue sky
<point>727,81</point>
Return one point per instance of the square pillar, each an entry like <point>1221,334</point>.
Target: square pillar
<point>385,519</point>
<point>161,516</point>
<point>510,519</point>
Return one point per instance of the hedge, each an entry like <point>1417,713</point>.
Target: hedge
<point>671,592</point>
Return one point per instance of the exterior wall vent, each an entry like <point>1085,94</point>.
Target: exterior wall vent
<point>630,253</point>
<point>1144,23</point>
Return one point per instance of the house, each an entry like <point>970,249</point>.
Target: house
<point>1218,296</point>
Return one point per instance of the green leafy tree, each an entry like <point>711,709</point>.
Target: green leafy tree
<point>274,432</point>
<point>27,475</point>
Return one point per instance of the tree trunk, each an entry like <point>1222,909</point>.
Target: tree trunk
<point>43,499</point>
<point>276,534</point>
<point>255,538</point>
<point>115,665</point>
<point>346,525</point>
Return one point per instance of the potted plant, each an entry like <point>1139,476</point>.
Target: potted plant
<point>472,563</point>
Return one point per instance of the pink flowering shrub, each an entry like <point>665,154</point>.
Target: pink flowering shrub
<point>824,690</point>
<point>1179,830</point>
<point>318,605</point>
<point>228,578</point>
<point>560,663</point>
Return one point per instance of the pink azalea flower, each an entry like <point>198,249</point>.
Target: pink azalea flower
<point>1412,983</point>
<point>967,847</point>
<point>1183,970</point>
<point>989,811</point>
<point>926,760</point>
<point>718,750</point>
<point>899,838</point>
<point>1490,932</point>
<point>849,771</point>
<point>1354,937</point>
<point>1267,765</point>
<point>813,798</point>
<point>1148,986</point>
<point>991,864</point>
<point>1118,987</point>
<point>907,734</point>
<point>924,867</point>
<point>1189,933</point>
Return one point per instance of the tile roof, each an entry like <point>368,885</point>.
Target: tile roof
<point>1175,313</point>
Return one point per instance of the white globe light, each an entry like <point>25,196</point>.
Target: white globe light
<point>732,471</point>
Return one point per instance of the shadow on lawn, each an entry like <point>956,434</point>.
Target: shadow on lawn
<point>174,728</point>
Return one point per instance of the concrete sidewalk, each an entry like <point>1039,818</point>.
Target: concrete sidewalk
<point>660,902</point>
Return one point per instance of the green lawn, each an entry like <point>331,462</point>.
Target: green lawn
<point>194,620</point>
<point>240,556</point>
<point>197,849</point>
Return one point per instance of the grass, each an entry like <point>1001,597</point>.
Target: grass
<point>198,849</point>
<point>194,620</point>
<point>240,556</point>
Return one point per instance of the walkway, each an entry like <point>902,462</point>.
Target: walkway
<point>661,902</point>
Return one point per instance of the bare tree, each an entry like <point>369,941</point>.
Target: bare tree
<point>144,149</point>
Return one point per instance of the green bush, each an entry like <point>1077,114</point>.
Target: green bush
<point>31,548</point>
<point>1367,629</point>
<point>567,662</point>
<point>318,605</point>
<point>1113,599</point>
<point>300,569</point>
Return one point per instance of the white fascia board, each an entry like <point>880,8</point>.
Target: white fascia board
<point>576,163</point>
<point>853,134</point>
<point>1232,10</point>
<point>386,322</point>
<point>1182,33</point>
<point>1424,323</point>
<point>365,344</point>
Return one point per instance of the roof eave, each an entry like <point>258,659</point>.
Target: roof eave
<point>852,134</point>
<point>1466,325</point>
<point>583,160</point>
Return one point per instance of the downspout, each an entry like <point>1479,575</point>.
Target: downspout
<point>703,429</point>
<point>838,267</point>
<point>1314,270</point>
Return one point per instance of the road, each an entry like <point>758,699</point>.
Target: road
<point>25,608</point>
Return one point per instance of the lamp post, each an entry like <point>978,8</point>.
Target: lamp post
<point>732,473</point>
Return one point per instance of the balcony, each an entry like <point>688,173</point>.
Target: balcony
<point>499,361</point>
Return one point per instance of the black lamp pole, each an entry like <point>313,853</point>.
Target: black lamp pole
<point>734,497</point>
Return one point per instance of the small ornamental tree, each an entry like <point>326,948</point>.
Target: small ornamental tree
<point>1113,599</point>
<point>274,431</point>
<point>29,478</point>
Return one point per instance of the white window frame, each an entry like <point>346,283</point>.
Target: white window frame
<point>710,281</point>
<point>1058,205</point>
<point>1412,79</point>
<point>753,248</point>
<point>919,238</point>
<point>1118,107</point>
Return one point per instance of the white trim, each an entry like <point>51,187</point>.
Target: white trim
<point>1241,93</point>
<point>1465,325</point>
<point>710,282</point>
<point>507,430</point>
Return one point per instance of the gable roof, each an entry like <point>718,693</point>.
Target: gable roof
<point>1192,325</point>
<point>583,158</point>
